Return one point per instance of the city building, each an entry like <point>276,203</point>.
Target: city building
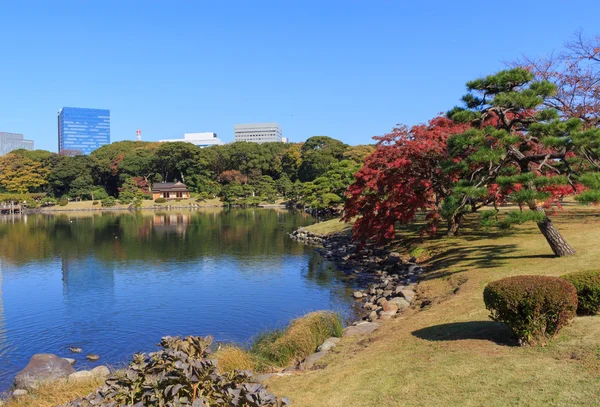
<point>198,139</point>
<point>82,130</point>
<point>13,141</point>
<point>258,132</point>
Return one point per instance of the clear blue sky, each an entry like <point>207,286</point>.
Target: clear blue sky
<point>347,69</point>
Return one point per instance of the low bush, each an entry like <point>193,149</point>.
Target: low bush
<point>181,374</point>
<point>300,339</point>
<point>160,200</point>
<point>95,202</point>
<point>587,284</point>
<point>63,202</point>
<point>109,202</point>
<point>177,199</point>
<point>534,307</point>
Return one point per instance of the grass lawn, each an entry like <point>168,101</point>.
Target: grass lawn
<point>451,354</point>
<point>84,205</point>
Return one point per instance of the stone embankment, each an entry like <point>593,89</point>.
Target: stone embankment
<point>390,283</point>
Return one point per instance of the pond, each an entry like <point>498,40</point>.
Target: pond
<point>114,283</point>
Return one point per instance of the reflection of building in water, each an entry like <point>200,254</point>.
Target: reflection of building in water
<point>176,223</point>
<point>86,278</point>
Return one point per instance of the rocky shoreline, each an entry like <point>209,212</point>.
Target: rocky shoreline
<point>390,282</point>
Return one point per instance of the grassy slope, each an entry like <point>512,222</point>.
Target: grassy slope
<point>451,354</point>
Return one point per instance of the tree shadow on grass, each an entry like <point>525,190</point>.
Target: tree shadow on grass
<point>487,256</point>
<point>478,330</point>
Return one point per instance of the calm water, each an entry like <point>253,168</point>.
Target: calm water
<point>115,283</point>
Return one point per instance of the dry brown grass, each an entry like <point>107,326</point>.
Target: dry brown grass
<point>451,353</point>
<point>277,349</point>
<point>56,393</point>
<point>234,358</point>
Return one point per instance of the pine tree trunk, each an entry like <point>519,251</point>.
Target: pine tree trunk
<point>557,243</point>
<point>454,224</point>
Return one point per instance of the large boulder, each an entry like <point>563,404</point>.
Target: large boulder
<point>41,368</point>
<point>361,329</point>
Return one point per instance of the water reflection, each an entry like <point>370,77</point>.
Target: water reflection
<point>114,283</point>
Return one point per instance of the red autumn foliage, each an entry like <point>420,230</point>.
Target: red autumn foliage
<point>402,176</point>
<point>233,176</point>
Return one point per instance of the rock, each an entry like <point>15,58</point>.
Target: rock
<point>409,295</point>
<point>361,329</point>
<point>372,316</point>
<point>384,316</point>
<point>92,357</point>
<point>358,294</point>
<point>75,349</point>
<point>387,293</point>
<point>328,344</point>
<point>42,367</point>
<point>390,306</point>
<point>393,258</point>
<point>311,360</point>
<point>400,302</point>
<point>19,393</point>
<point>71,361</point>
<point>381,301</point>
<point>399,289</point>
<point>100,371</point>
<point>82,374</point>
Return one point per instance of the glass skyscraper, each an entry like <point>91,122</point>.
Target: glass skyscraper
<point>82,130</point>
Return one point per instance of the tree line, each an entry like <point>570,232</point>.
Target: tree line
<point>315,173</point>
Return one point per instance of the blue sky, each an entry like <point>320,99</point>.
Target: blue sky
<point>346,69</point>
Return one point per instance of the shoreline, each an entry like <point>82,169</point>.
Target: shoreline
<point>146,208</point>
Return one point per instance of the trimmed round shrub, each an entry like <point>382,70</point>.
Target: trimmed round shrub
<point>534,307</point>
<point>160,200</point>
<point>95,202</point>
<point>63,202</point>
<point>587,284</point>
<point>109,202</point>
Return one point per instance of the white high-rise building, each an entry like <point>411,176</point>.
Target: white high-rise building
<point>13,141</point>
<point>258,132</point>
<point>198,139</point>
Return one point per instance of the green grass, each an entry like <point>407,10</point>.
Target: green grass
<point>85,205</point>
<point>329,227</point>
<point>451,353</point>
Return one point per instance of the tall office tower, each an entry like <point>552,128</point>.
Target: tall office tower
<point>82,130</point>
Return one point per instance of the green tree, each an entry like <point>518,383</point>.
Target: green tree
<point>318,154</point>
<point>21,174</point>
<point>517,150</point>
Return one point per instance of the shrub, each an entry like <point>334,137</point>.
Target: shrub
<point>63,202</point>
<point>180,374</point>
<point>95,202</point>
<point>534,307</point>
<point>298,340</point>
<point>109,202</point>
<point>177,199</point>
<point>587,284</point>
<point>160,200</point>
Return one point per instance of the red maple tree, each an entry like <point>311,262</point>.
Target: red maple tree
<point>403,176</point>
